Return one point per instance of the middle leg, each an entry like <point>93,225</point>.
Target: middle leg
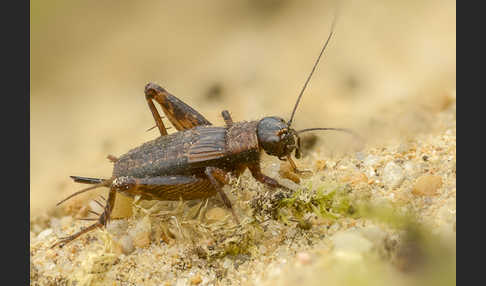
<point>218,179</point>
<point>227,118</point>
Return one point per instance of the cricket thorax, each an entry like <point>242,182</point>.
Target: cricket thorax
<point>241,139</point>
<point>224,147</point>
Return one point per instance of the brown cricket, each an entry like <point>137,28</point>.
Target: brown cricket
<point>195,161</point>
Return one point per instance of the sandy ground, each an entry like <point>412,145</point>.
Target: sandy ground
<point>389,73</point>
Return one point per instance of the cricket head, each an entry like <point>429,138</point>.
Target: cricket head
<point>277,138</point>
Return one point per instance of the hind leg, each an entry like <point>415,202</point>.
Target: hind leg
<point>181,115</point>
<point>102,221</point>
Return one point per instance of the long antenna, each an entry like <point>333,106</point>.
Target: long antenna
<point>334,129</point>
<point>312,72</point>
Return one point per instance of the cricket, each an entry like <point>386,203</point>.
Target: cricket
<point>196,161</point>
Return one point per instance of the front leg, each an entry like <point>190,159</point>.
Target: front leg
<point>295,169</point>
<point>256,172</point>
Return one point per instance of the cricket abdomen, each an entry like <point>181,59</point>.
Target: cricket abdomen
<point>165,188</point>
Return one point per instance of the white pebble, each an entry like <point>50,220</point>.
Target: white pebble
<point>370,173</point>
<point>393,175</point>
<point>373,233</point>
<point>227,263</point>
<point>411,169</point>
<point>127,244</point>
<point>181,282</point>
<point>371,160</point>
<point>117,227</point>
<point>143,225</point>
<point>350,241</point>
<point>44,234</point>
<point>56,223</point>
<point>303,258</point>
<point>360,156</point>
<point>262,249</point>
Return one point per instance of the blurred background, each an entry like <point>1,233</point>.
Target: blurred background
<point>389,65</point>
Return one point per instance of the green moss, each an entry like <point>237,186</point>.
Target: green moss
<point>237,247</point>
<point>235,241</point>
<point>329,200</point>
<point>388,213</point>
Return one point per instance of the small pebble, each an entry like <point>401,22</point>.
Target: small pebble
<point>393,175</point>
<point>44,234</point>
<point>262,249</point>
<point>126,243</point>
<point>360,156</point>
<point>350,241</point>
<point>116,247</point>
<point>357,177</point>
<point>66,221</point>
<point>117,227</point>
<point>371,173</point>
<point>56,224</point>
<point>216,214</point>
<point>303,258</point>
<point>371,161</point>
<point>427,185</point>
<point>141,233</point>
<point>142,239</point>
<point>411,169</point>
<point>196,279</point>
<point>320,165</point>
<point>227,263</point>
